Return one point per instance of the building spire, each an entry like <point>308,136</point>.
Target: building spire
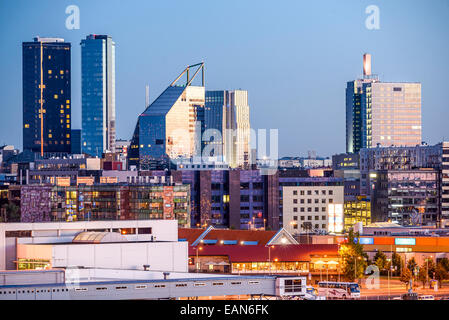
<point>366,65</point>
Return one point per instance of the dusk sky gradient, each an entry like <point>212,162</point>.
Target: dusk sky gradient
<point>293,57</point>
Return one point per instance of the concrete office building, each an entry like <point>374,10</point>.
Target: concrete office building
<point>46,96</point>
<point>396,158</point>
<point>445,185</point>
<point>391,114</point>
<point>314,204</point>
<point>408,197</point>
<point>242,199</point>
<point>98,94</point>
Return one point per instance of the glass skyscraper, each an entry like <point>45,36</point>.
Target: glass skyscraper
<point>46,91</point>
<point>227,112</point>
<point>98,94</point>
<point>169,127</point>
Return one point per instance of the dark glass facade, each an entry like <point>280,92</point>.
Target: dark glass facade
<point>76,141</point>
<point>48,59</point>
<point>353,117</point>
<point>105,202</point>
<point>409,197</point>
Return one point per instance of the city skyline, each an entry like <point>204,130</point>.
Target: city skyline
<point>274,89</point>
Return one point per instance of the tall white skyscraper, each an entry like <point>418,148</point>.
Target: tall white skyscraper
<point>98,94</point>
<point>381,113</point>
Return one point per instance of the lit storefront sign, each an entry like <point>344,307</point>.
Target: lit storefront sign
<point>405,241</point>
<point>365,240</point>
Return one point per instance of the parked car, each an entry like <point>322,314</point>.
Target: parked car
<point>426,297</point>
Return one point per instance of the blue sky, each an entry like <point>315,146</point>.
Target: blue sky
<point>294,58</point>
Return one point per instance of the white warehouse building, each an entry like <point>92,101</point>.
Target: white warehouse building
<point>132,245</point>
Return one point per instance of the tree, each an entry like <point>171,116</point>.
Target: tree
<point>444,262</point>
<point>422,276</point>
<point>397,263</point>
<point>353,257</point>
<point>441,274</point>
<point>406,276</point>
<point>11,212</point>
<point>380,259</point>
<point>411,264</point>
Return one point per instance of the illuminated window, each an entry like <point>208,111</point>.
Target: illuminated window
<point>49,57</point>
<point>61,72</point>
<point>62,110</point>
<point>50,136</point>
<point>56,96</point>
<point>67,135</point>
<point>68,126</point>
<point>49,72</point>
<point>67,101</point>
<point>27,125</point>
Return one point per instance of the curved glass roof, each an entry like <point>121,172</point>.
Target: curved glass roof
<point>98,237</point>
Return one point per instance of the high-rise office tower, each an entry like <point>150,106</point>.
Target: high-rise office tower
<point>391,114</point>
<point>169,128</point>
<point>98,94</point>
<point>227,112</point>
<point>46,96</point>
<point>381,113</point>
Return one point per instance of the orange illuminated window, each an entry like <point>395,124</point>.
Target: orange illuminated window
<point>27,125</point>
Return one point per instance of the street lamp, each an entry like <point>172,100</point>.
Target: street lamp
<point>355,269</point>
<point>197,262</point>
<point>269,258</point>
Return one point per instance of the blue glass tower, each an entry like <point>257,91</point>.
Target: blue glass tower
<point>98,94</point>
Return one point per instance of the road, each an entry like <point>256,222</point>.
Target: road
<point>394,288</point>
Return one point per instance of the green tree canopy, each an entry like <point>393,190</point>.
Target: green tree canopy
<point>354,258</point>
<point>380,259</point>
